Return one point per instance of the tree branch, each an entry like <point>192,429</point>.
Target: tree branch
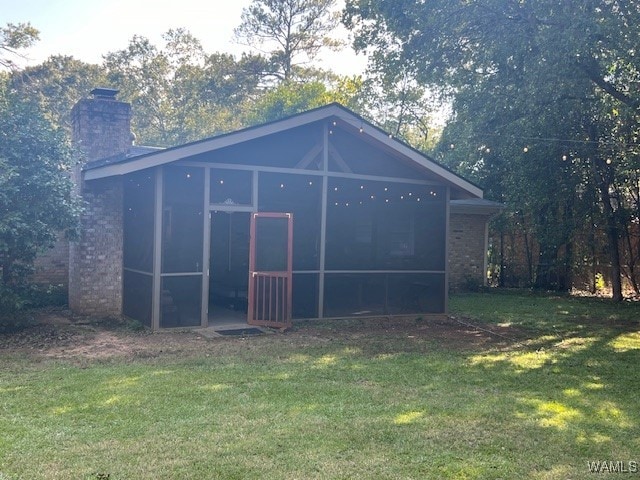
<point>593,74</point>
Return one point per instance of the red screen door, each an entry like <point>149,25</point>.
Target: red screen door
<point>270,265</point>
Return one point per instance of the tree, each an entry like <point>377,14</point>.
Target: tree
<point>57,84</point>
<point>180,93</point>
<point>36,201</point>
<point>290,98</point>
<point>289,32</point>
<point>548,71</point>
<point>13,38</point>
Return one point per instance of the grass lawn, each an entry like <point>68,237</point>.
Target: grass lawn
<point>415,398</point>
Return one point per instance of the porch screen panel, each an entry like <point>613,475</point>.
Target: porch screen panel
<point>415,293</point>
<point>294,148</point>
<point>305,295</point>
<point>385,226</point>
<point>139,197</point>
<point>183,219</point>
<point>137,297</point>
<point>138,228</point>
<point>351,294</point>
<point>364,158</point>
<point>180,304</point>
<point>300,195</point>
<point>230,187</point>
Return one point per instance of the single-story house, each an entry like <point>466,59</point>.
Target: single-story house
<point>321,214</point>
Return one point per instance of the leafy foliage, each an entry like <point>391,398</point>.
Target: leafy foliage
<point>57,84</point>
<point>290,98</point>
<point>13,38</point>
<point>36,201</point>
<point>180,93</point>
<point>541,93</point>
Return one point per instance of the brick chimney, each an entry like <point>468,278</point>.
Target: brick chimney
<point>101,125</point>
<point>101,129</point>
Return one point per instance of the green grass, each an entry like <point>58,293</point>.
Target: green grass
<point>330,402</point>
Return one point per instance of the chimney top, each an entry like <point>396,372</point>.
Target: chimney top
<point>104,93</point>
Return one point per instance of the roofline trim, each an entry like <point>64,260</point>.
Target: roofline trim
<point>355,121</point>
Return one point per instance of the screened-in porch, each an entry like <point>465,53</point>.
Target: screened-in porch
<point>361,229</point>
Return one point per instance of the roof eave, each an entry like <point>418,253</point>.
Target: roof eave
<point>334,110</point>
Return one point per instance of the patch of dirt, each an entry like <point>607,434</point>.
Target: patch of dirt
<point>454,332</point>
<point>61,335</point>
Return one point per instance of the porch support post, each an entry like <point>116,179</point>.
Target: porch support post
<point>206,241</point>
<point>446,248</point>
<point>323,218</point>
<point>157,251</point>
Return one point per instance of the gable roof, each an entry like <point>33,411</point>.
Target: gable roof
<point>133,161</point>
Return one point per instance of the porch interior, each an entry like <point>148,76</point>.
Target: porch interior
<point>229,270</point>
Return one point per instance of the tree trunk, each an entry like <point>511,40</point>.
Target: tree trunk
<point>501,276</point>
<point>545,269</point>
<point>633,277</point>
<point>613,237</point>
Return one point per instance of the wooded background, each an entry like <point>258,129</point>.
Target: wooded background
<point>542,99</point>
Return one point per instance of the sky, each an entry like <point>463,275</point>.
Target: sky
<point>88,29</point>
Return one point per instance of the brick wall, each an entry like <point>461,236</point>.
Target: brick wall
<point>95,269</point>
<point>466,250</point>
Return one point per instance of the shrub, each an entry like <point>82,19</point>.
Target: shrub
<point>12,310</point>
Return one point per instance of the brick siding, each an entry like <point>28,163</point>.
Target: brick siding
<point>95,270</point>
<point>466,250</point>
